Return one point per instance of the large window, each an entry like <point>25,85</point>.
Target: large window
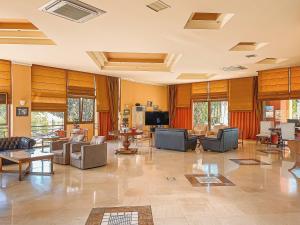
<point>210,113</point>
<point>200,110</point>
<point>280,111</point>
<point>3,120</point>
<point>219,113</point>
<point>81,110</point>
<point>45,124</point>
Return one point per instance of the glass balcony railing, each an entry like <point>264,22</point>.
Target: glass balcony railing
<point>38,132</point>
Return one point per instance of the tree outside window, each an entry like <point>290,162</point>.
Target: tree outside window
<point>81,110</point>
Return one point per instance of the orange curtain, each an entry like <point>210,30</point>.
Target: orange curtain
<point>104,123</point>
<point>246,122</point>
<point>183,118</point>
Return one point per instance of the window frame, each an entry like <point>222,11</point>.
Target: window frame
<point>209,124</point>
<point>7,119</point>
<point>81,110</point>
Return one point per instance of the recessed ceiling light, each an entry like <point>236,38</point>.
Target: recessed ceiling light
<point>158,6</point>
<point>204,20</point>
<point>247,46</point>
<point>271,61</point>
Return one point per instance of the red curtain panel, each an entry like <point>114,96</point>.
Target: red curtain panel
<point>104,123</point>
<point>183,118</point>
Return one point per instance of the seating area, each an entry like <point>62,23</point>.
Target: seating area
<point>152,112</point>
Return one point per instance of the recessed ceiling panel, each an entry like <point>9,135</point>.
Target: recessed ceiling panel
<point>247,46</point>
<point>207,20</point>
<point>21,31</point>
<point>134,61</point>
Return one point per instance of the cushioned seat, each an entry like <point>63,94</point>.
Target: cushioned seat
<point>76,155</point>
<point>58,152</point>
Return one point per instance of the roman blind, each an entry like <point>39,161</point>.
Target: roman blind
<point>5,81</point>
<point>241,93</point>
<point>48,89</point>
<point>183,96</point>
<point>218,89</point>
<point>295,82</point>
<point>102,94</point>
<point>273,84</point>
<point>81,84</point>
<point>200,91</point>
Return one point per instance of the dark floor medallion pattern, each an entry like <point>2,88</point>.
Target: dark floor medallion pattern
<point>200,180</point>
<point>249,162</point>
<point>129,215</point>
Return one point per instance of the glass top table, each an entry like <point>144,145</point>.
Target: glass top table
<point>24,156</point>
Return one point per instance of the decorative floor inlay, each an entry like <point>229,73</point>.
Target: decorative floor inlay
<point>120,218</point>
<point>135,215</point>
<point>198,180</point>
<point>271,151</point>
<point>249,162</point>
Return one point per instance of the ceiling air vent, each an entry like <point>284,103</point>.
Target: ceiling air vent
<point>234,68</point>
<point>158,6</point>
<point>73,10</point>
<point>271,61</point>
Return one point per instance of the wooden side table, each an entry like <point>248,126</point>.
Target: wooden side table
<point>126,142</point>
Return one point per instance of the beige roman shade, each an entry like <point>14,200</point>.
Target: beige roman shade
<point>200,91</point>
<point>102,94</point>
<point>5,81</point>
<point>218,89</point>
<point>241,93</point>
<point>81,84</point>
<point>295,82</point>
<point>183,96</point>
<point>48,87</point>
<point>273,84</point>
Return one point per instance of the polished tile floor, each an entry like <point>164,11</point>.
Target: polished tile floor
<point>263,194</point>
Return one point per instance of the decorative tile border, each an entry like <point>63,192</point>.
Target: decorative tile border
<point>204,180</point>
<point>249,162</point>
<point>129,215</point>
<point>272,151</point>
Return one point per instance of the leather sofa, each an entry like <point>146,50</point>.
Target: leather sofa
<point>15,143</point>
<point>225,140</point>
<point>174,139</point>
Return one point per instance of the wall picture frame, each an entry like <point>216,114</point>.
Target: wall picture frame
<point>22,111</point>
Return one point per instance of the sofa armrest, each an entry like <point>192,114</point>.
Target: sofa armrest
<point>76,147</point>
<point>57,145</point>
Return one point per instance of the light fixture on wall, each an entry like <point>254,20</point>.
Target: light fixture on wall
<point>22,102</point>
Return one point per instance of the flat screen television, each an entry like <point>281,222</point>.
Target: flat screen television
<point>157,118</point>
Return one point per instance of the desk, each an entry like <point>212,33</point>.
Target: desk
<point>294,145</point>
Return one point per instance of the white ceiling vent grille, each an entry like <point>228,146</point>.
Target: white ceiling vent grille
<point>234,68</point>
<point>73,10</point>
<point>158,6</point>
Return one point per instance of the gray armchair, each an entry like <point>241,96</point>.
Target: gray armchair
<point>85,155</point>
<point>61,151</point>
<point>174,139</point>
<point>226,139</point>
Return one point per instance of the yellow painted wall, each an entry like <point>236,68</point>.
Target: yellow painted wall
<point>21,90</point>
<point>133,92</point>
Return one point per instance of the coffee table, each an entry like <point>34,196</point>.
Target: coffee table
<point>25,156</point>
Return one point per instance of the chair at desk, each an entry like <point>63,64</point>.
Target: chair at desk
<point>287,133</point>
